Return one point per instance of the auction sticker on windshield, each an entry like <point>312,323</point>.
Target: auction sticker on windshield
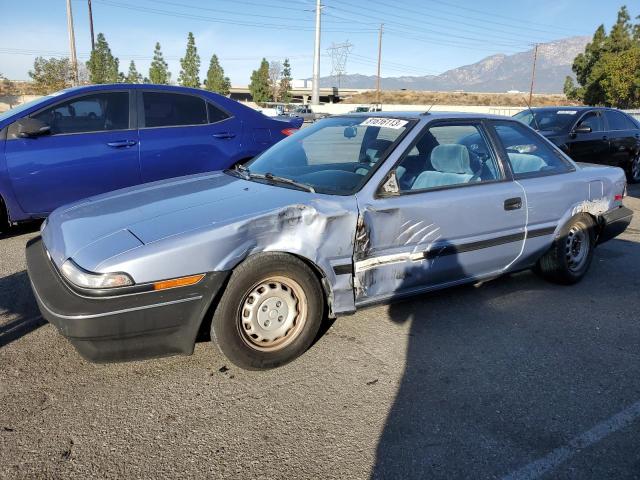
<point>394,123</point>
<point>567,112</point>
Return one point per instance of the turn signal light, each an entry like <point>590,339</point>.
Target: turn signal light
<point>178,282</point>
<point>289,131</point>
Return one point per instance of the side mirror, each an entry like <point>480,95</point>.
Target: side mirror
<point>32,127</point>
<point>390,185</point>
<point>582,130</point>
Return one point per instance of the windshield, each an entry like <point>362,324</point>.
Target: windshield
<point>335,155</point>
<point>554,120</point>
<point>23,107</point>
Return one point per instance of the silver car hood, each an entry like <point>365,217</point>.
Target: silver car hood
<point>96,229</point>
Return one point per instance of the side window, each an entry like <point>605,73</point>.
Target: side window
<point>529,154</point>
<point>630,124</point>
<point>172,109</point>
<point>90,113</point>
<point>616,120</point>
<point>593,120</point>
<point>215,114</point>
<point>447,155</point>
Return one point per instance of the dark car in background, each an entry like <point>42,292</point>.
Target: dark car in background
<point>89,140</point>
<point>590,134</point>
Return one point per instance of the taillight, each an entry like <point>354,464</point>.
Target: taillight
<point>618,197</point>
<point>289,131</point>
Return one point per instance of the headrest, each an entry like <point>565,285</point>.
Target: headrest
<point>451,158</point>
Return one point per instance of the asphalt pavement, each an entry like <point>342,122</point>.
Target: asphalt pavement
<point>516,378</point>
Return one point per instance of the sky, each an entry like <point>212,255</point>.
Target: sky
<point>421,37</point>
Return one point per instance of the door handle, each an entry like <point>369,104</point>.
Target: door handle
<point>513,203</point>
<point>122,143</point>
<point>224,135</point>
<point>605,137</point>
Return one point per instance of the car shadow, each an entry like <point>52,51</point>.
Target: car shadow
<point>19,305</point>
<point>493,371</point>
<point>21,229</point>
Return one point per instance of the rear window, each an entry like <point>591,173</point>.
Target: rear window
<point>171,110</point>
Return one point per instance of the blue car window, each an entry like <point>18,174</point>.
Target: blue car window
<point>96,112</point>
<point>215,114</point>
<point>173,109</point>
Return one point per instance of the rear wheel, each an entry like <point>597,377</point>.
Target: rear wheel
<point>569,258</point>
<point>634,169</point>
<point>270,312</point>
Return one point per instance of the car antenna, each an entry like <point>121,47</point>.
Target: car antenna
<point>429,109</point>
<point>533,115</point>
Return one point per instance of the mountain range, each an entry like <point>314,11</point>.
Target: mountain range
<point>496,73</point>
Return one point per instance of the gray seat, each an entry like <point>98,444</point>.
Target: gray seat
<point>452,166</point>
<point>525,162</point>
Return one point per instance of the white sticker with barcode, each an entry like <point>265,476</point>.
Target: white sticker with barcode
<point>567,112</point>
<point>394,123</point>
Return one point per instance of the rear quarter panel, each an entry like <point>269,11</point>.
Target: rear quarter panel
<point>553,200</point>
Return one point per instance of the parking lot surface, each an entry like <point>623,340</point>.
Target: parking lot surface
<point>515,378</point>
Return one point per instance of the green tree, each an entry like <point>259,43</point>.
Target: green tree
<point>259,86</point>
<point>102,65</point>
<point>607,72</point>
<point>216,81</point>
<point>159,70</point>
<point>190,63</point>
<point>285,82</point>
<point>133,76</point>
<point>51,75</point>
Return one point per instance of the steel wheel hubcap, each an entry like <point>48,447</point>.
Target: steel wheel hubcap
<point>577,247</point>
<point>272,314</point>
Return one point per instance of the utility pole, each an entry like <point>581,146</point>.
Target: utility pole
<point>533,72</point>
<point>93,40</point>
<point>72,44</point>
<point>379,62</point>
<point>315,89</point>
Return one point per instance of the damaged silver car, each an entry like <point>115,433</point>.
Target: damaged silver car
<point>351,211</point>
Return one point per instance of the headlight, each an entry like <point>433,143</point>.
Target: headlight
<point>84,279</point>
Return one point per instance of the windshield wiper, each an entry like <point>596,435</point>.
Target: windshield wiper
<point>274,178</point>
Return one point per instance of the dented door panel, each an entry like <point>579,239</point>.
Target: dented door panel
<point>426,240</point>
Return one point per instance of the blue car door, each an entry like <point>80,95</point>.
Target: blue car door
<point>181,134</point>
<point>92,148</point>
<point>456,217</point>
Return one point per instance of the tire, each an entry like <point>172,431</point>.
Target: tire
<point>4,218</point>
<point>269,313</point>
<point>633,173</point>
<point>569,258</point>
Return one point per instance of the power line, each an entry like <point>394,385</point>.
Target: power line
<point>268,26</point>
<point>447,34</point>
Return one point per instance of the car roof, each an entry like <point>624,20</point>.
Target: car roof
<point>414,115</point>
<point>128,86</point>
<point>580,108</point>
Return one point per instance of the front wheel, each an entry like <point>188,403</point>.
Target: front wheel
<point>269,313</point>
<point>569,258</point>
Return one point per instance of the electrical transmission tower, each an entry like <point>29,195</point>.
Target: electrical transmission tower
<point>339,53</point>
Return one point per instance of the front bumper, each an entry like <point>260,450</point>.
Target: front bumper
<point>121,327</point>
<point>614,222</point>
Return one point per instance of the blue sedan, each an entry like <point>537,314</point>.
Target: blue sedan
<point>351,211</point>
<point>89,140</point>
